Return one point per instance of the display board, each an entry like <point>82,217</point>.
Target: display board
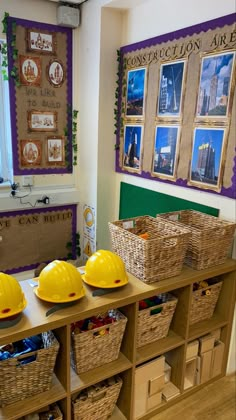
<point>176,98</point>
<point>30,237</point>
<point>40,77</point>
<point>136,201</point>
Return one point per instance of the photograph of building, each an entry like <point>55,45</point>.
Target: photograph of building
<point>207,155</point>
<point>132,146</point>
<point>135,92</point>
<point>166,139</point>
<point>214,89</point>
<point>170,91</point>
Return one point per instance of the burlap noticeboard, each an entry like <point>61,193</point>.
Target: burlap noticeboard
<point>40,56</point>
<point>176,102</point>
<point>30,237</point>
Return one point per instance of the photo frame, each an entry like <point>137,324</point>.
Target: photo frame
<point>171,87</point>
<point>42,42</point>
<point>166,151</point>
<point>136,92</point>
<point>55,150</point>
<point>132,151</point>
<point>208,155</point>
<point>55,73</point>
<point>30,70</point>
<point>42,120</point>
<point>30,152</point>
<point>216,84</point>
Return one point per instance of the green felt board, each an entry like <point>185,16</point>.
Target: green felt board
<point>136,201</point>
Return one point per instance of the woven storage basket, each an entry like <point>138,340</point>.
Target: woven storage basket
<point>18,382</point>
<point>153,259</point>
<point>91,349</point>
<point>151,326</point>
<point>97,402</point>
<point>203,303</point>
<point>210,240</point>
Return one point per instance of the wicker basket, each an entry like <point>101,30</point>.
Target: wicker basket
<point>210,240</point>
<point>98,401</point>
<point>153,326</point>
<point>20,381</point>
<point>91,349</point>
<point>153,259</point>
<point>204,302</point>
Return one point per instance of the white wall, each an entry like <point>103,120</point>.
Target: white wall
<point>148,19</point>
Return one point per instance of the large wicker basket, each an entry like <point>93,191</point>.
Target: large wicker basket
<point>153,326</point>
<point>20,381</point>
<point>210,240</point>
<point>91,349</point>
<point>159,256</point>
<point>203,302</point>
<point>98,401</point>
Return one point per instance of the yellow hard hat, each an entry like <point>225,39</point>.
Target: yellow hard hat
<point>105,269</point>
<point>59,282</point>
<point>12,298</point>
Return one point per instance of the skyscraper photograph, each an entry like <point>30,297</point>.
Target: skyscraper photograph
<point>208,145</point>
<point>166,138</point>
<point>170,90</point>
<point>135,92</point>
<point>214,89</point>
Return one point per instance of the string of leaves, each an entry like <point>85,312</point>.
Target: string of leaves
<point>6,72</point>
<point>77,247</point>
<point>119,113</point>
<point>72,118</point>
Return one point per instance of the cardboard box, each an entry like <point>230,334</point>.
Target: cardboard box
<point>205,372</point>
<point>206,343</point>
<point>216,334</point>
<point>156,385</point>
<point>190,373</point>
<point>217,358</point>
<point>192,349</point>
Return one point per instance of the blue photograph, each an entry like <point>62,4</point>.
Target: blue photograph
<point>136,80</point>
<point>206,164</point>
<point>170,90</point>
<point>215,85</point>
<point>132,146</point>
<point>165,150</point>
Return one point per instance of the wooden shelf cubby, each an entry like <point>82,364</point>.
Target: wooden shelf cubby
<point>66,383</point>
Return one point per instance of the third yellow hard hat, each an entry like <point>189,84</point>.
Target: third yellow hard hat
<point>104,269</point>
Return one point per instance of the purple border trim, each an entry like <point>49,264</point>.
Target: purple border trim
<point>72,207</point>
<point>205,26</point>
<point>49,27</point>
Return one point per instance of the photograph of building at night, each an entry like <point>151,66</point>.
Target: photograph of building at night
<point>166,138</point>
<point>170,90</point>
<point>207,155</point>
<point>215,82</point>
<point>136,80</point>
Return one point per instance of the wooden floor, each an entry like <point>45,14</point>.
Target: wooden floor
<point>216,401</point>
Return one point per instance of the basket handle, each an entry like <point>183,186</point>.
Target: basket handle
<point>98,395</point>
<point>26,355</point>
<point>98,334</point>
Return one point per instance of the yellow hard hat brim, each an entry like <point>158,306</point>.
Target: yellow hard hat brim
<point>12,313</point>
<point>94,284</point>
<point>72,299</point>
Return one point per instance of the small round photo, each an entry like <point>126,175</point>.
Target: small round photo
<point>56,73</point>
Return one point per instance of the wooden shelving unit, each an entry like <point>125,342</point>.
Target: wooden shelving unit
<point>67,383</point>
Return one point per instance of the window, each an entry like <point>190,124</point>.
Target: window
<point>6,169</point>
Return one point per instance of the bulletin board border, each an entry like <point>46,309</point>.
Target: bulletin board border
<point>15,213</point>
<point>48,27</point>
<point>188,31</point>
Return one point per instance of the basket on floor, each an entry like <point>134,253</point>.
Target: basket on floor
<point>155,255</point>
<point>20,381</point>
<point>211,238</point>
<point>93,348</point>
<point>204,301</point>
<point>154,322</point>
<point>97,401</point>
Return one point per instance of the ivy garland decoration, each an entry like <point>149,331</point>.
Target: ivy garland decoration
<point>119,111</point>
<point>6,72</point>
<point>72,114</point>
